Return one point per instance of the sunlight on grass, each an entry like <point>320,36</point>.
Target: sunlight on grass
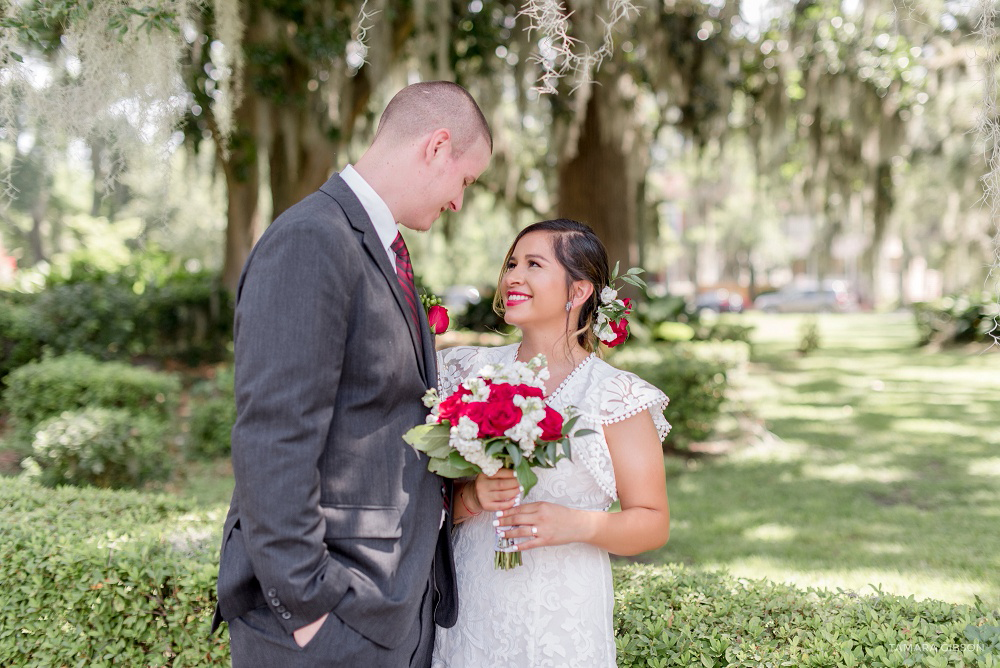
<point>985,467</point>
<point>855,473</point>
<point>771,532</point>
<point>865,581</point>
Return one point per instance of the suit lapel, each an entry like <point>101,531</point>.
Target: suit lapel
<point>336,188</point>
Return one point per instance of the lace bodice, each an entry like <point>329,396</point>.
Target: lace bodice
<point>556,609</point>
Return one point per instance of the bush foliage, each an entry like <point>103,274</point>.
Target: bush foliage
<point>149,309</point>
<point>49,387</point>
<point>672,616</point>
<point>101,447</point>
<point>958,319</point>
<point>128,579</point>
<point>213,413</point>
<point>695,383</point>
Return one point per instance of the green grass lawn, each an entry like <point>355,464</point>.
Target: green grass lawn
<point>883,470</point>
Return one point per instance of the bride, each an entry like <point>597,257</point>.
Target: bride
<point>556,609</point>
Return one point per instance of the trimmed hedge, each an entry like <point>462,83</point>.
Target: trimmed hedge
<point>49,387</point>
<point>100,578</point>
<point>673,616</point>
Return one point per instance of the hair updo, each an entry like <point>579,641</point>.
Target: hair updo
<point>583,256</point>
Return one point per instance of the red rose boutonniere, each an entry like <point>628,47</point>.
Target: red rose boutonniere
<point>437,315</point>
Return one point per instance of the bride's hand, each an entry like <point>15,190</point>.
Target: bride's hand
<point>544,524</point>
<point>497,492</point>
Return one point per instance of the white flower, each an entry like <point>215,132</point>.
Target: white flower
<point>432,418</point>
<point>608,294</point>
<point>431,398</point>
<point>602,328</point>
<point>466,428</point>
<point>480,390</point>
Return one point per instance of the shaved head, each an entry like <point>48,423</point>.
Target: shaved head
<point>427,106</point>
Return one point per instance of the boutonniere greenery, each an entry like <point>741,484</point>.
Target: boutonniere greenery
<point>437,314</point>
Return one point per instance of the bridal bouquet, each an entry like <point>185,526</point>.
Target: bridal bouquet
<point>496,419</point>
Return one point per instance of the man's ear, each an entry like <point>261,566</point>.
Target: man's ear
<point>438,144</point>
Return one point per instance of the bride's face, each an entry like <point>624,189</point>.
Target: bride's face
<point>534,286</point>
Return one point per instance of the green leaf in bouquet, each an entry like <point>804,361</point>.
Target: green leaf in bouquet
<point>495,447</point>
<point>431,439</point>
<point>526,476</point>
<point>583,432</point>
<point>453,466</point>
<point>515,453</point>
<point>569,424</point>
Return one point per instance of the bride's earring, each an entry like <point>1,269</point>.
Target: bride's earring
<point>569,306</point>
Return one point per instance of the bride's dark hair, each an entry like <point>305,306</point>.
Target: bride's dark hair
<point>584,258</point>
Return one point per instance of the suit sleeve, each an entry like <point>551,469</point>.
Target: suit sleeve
<point>289,347</point>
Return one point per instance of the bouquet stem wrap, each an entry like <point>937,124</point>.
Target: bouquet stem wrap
<point>506,555</point>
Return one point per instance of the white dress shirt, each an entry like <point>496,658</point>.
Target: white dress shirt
<point>375,207</point>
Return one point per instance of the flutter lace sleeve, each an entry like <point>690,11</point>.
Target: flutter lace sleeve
<point>624,395</point>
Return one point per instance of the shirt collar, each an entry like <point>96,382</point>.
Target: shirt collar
<point>375,206</point>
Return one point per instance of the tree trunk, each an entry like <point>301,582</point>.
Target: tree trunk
<point>242,187</point>
<point>596,185</point>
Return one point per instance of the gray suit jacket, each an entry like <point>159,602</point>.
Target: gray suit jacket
<point>332,511</point>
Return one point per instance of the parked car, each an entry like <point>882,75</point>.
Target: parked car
<point>719,301</point>
<point>833,297</point>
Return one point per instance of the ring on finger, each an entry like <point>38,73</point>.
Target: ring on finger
<point>534,531</point>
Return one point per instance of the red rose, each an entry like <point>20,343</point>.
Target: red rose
<point>477,411</point>
<point>502,392</point>
<point>628,305</point>
<point>551,425</point>
<point>529,391</point>
<point>437,318</point>
<point>620,328</point>
<point>500,416</point>
<point>452,408</point>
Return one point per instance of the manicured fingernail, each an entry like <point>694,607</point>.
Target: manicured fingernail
<point>503,534</point>
<point>499,513</point>
<point>496,523</point>
<point>515,474</point>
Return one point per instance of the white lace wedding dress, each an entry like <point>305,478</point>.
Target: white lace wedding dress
<point>556,609</point>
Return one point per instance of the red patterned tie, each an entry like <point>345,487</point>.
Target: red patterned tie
<point>404,272</point>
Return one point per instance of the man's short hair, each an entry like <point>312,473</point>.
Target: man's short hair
<point>423,107</point>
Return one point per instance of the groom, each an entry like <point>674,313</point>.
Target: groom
<point>336,551</point>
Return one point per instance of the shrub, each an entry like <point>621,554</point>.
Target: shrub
<point>128,579</point>
<point>51,386</point>
<point>696,387</point>
<point>149,308</point>
<point>213,413</point>
<point>18,343</point>
<point>98,446</point>
<point>189,317</point>
<point>958,319</point>
<point>96,318</point>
